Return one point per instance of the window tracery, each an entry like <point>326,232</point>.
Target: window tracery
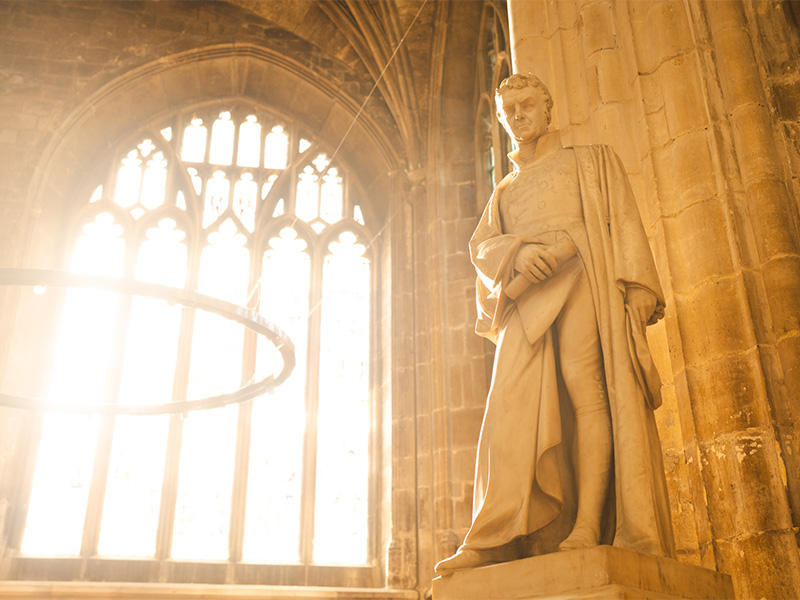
<point>238,204</point>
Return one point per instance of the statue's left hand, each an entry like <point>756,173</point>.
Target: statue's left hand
<point>641,302</point>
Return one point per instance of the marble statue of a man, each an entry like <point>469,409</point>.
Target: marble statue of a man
<point>568,455</point>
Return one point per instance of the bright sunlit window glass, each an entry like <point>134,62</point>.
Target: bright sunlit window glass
<point>66,455</point>
<point>194,141</point>
<point>331,199</point>
<point>358,217</point>
<point>63,471</point>
<point>207,455</point>
<point>308,194</point>
<point>222,132</point>
<point>133,492</point>
<point>136,470</point>
<point>217,190</point>
<point>155,181</point>
<point>245,192</point>
<point>97,195</point>
<point>197,182</point>
<point>272,528</point>
<point>197,207</point>
<point>249,142</point>
<point>276,149</point>
<point>129,180</point>
<point>344,415</point>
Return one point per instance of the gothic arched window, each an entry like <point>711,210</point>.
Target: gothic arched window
<point>240,204</point>
<point>494,64</point>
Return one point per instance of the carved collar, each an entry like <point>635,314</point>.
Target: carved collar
<point>549,143</point>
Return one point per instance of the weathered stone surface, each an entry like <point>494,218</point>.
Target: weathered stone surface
<point>681,168</point>
<point>599,34</point>
<point>601,572</point>
<point>738,379</point>
<point>684,244</point>
<point>713,321</point>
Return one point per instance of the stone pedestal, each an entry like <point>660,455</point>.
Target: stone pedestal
<point>597,573</point>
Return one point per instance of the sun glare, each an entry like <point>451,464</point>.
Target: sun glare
<point>221,225</point>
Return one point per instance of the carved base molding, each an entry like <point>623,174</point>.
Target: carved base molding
<point>597,573</point>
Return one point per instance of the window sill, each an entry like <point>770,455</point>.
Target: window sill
<point>76,570</point>
<point>18,590</point>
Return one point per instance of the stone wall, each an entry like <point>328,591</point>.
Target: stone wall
<point>451,380</point>
<point>697,98</point>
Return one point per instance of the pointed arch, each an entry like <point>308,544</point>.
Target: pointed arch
<point>90,150</point>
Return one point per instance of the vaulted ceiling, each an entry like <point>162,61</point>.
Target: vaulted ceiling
<point>387,42</point>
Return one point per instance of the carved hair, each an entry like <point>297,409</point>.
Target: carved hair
<point>519,81</point>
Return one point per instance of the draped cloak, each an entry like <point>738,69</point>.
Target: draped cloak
<point>521,477</point>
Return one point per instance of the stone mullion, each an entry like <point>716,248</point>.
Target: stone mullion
<point>244,417</point>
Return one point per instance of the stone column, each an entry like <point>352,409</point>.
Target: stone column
<point>759,524</point>
<point>450,370</point>
<point>399,474</point>
<point>777,253</point>
<point>531,26</point>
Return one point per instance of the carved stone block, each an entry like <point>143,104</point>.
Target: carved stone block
<point>600,572</point>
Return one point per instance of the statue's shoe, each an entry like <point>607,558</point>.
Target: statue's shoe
<point>581,537</point>
<point>463,559</point>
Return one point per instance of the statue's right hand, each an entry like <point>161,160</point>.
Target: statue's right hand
<point>535,262</point>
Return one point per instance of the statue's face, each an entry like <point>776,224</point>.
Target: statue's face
<point>523,113</point>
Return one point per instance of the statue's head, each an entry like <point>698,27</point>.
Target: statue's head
<point>524,106</point>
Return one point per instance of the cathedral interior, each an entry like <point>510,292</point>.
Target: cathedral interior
<point>324,164</point>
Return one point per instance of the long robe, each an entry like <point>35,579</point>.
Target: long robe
<point>522,479</point>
